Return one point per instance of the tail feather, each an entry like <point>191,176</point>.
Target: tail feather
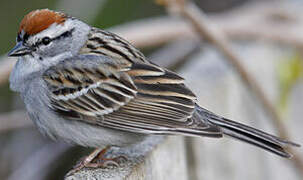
<point>247,134</point>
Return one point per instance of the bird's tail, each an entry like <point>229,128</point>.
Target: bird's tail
<point>247,134</point>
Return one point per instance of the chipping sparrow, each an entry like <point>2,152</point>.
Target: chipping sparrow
<point>90,87</point>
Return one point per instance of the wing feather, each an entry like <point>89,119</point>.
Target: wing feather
<point>137,97</point>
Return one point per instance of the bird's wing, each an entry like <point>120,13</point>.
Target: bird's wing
<point>136,97</point>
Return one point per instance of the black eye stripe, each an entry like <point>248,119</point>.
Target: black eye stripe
<point>63,35</point>
<point>25,37</point>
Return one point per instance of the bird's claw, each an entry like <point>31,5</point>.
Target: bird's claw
<point>98,162</point>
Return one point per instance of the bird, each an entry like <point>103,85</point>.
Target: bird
<point>90,87</point>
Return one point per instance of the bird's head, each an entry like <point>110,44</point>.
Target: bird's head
<point>45,34</point>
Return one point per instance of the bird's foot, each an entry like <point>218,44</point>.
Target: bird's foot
<point>97,160</point>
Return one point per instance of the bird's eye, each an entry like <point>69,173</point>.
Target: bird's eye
<point>46,40</point>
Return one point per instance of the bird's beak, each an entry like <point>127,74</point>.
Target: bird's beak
<point>19,50</point>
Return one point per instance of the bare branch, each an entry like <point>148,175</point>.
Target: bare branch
<point>206,29</point>
<point>281,23</point>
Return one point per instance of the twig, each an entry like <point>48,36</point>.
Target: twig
<point>281,23</point>
<point>208,31</point>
